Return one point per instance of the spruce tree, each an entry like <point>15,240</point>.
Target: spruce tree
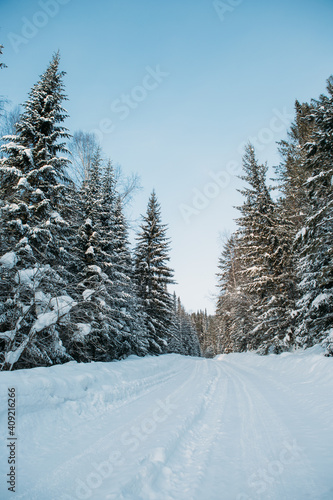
<point>263,257</point>
<point>206,331</point>
<point>292,208</point>
<point>107,320</point>
<point>175,344</point>
<point>189,341</point>
<point>152,276</point>
<point>98,329</point>
<point>281,255</point>
<point>291,174</point>
<point>130,311</point>
<point>254,225</point>
<point>184,338</point>
<point>35,194</point>
<point>233,304</point>
<point>314,242</point>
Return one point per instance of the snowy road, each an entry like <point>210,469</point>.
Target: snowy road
<point>237,427</point>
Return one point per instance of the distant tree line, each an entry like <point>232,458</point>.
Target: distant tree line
<point>70,287</point>
<point>276,271</point>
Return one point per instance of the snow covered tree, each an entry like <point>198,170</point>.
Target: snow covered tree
<point>315,241</point>
<point>97,335</point>
<point>293,206</point>
<point>107,320</point>
<point>183,335</point>
<point>252,239</point>
<point>189,341</point>
<point>291,174</point>
<point>175,344</point>
<point>34,203</point>
<point>233,304</point>
<point>206,330</point>
<point>276,271</point>
<point>263,256</point>
<point>152,276</point>
<point>130,311</point>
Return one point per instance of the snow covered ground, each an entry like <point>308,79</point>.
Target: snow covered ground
<point>237,427</point>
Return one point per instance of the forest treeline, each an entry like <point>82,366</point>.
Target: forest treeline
<point>71,289</point>
<point>275,272</point>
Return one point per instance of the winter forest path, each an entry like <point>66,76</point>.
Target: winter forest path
<point>237,427</point>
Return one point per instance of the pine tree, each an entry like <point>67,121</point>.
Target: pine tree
<point>33,191</point>
<point>263,256</point>
<point>152,276</point>
<point>292,207</point>
<point>98,329</point>
<point>276,273</point>
<point>131,313</point>
<point>206,331</point>
<point>291,174</point>
<point>254,224</point>
<point>314,241</point>
<point>107,321</point>
<point>175,344</point>
<point>183,335</point>
<point>189,341</point>
<point>232,310</point>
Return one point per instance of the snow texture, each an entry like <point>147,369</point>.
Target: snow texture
<point>236,427</point>
<point>83,330</point>
<point>86,294</point>
<point>9,260</point>
<point>60,307</point>
<point>29,276</point>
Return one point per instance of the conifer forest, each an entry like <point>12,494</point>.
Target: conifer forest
<point>73,288</point>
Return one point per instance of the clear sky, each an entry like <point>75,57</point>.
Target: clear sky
<point>173,89</point>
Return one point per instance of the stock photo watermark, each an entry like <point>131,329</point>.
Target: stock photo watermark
<point>201,198</point>
<point>12,440</point>
<point>265,477</point>
<point>223,8</point>
<point>31,26</point>
<point>127,102</point>
<point>130,441</point>
<point>220,180</point>
<point>266,135</point>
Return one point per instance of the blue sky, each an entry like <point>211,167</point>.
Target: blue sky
<point>173,90</point>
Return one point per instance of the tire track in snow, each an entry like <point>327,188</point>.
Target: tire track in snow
<point>304,403</point>
<point>225,433</point>
<point>101,446</point>
<point>227,465</point>
<point>102,430</point>
<point>178,470</point>
<point>270,477</point>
